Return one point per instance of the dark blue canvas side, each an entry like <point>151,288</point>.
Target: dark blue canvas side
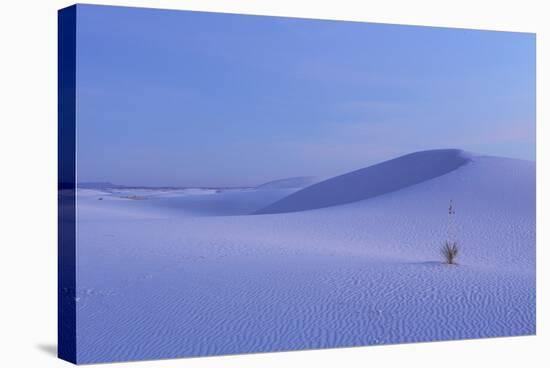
<point>66,184</point>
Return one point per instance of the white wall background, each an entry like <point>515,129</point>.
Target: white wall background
<point>28,57</point>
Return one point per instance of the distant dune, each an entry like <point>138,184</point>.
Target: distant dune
<point>372,181</point>
<point>289,183</point>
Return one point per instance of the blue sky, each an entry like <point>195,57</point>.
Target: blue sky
<point>189,98</point>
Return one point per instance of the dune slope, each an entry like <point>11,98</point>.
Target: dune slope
<point>372,181</point>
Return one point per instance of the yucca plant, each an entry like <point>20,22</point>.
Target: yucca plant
<point>449,252</point>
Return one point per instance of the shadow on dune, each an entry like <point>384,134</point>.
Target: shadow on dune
<point>372,181</point>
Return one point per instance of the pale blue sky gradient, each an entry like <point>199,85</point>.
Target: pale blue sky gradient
<point>204,99</point>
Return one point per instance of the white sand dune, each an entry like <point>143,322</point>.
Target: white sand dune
<point>372,181</point>
<point>159,281</point>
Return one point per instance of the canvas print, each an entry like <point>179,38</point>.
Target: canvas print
<point>235,184</point>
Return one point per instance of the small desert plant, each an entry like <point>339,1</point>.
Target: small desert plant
<point>449,252</point>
